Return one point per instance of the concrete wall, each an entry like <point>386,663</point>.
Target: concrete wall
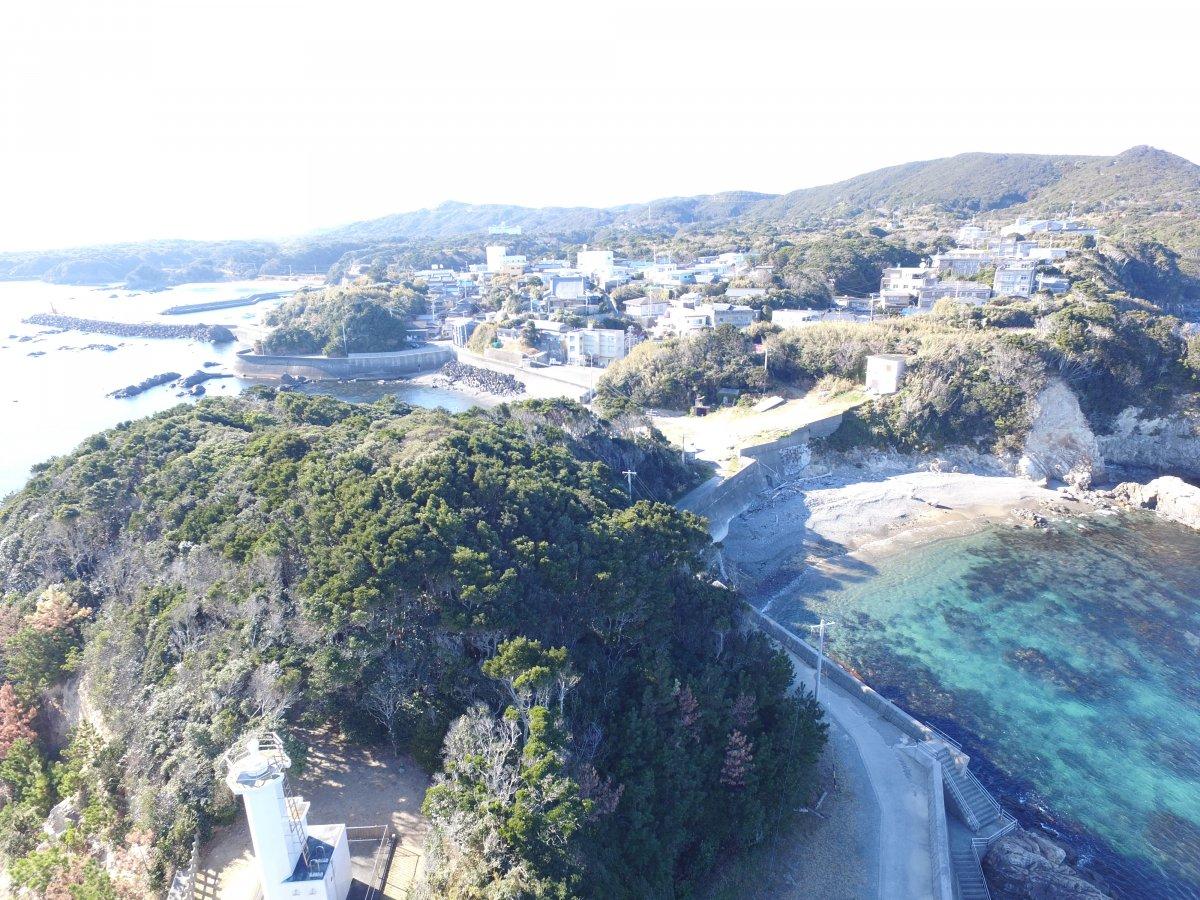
<point>939,831</point>
<point>356,365</point>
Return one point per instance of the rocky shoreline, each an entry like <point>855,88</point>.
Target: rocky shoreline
<point>216,334</point>
<point>190,385</point>
<point>1025,865</point>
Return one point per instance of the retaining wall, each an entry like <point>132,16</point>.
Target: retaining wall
<point>539,382</point>
<point>722,501</point>
<point>356,365</point>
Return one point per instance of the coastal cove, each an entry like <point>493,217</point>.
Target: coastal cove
<point>1062,657</point>
<point>54,384</point>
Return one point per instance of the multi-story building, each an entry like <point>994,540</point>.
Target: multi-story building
<point>498,259</point>
<point>595,346</point>
<point>1014,281</point>
<point>910,279</point>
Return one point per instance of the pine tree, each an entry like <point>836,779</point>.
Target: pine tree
<point>739,760</point>
<point>15,720</point>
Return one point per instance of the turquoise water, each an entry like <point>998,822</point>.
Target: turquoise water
<point>1067,661</point>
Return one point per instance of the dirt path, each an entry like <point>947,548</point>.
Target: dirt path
<point>344,783</point>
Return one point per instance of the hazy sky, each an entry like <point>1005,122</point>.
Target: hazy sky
<point>133,119</point>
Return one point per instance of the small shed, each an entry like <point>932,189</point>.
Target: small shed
<point>885,373</point>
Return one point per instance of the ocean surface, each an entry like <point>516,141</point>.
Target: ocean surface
<point>54,386</point>
<point>1067,662</point>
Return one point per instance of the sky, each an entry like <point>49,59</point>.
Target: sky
<point>130,120</point>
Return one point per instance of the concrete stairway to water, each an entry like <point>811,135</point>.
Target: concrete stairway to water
<point>971,883</point>
<point>974,805</point>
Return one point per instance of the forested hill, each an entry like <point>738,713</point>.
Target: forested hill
<point>1148,193</point>
<point>967,183</point>
<point>284,561</point>
<point>452,219</point>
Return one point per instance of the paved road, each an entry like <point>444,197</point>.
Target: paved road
<point>901,799</point>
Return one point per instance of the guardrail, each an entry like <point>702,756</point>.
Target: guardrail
<point>183,883</point>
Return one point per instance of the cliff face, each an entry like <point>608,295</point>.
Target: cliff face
<point>1170,444</point>
<point>1060,445</point>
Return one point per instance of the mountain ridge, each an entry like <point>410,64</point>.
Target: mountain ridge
<point>975,182</point>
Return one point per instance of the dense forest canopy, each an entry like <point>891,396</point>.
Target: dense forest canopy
<point>366,316</point>
<point>281,560</point>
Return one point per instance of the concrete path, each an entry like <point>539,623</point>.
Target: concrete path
<point>901,796</point>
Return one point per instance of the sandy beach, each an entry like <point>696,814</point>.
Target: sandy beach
<point>840,513</point>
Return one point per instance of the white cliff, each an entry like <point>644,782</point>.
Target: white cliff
<point>1060,445</point>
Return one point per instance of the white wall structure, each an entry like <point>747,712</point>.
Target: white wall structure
<point>598,264</point>
<point>293,859</point>
<point>495,257</point>
<point>885,371</point>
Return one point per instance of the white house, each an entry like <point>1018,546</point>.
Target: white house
<point>970,236</point>
<point>594,346</point>
<point>498,259</point>
<point>910,279</point>
<point>646,310</point>
<point>597,264</point>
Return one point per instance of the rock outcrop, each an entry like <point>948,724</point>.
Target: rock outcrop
<point>1025,865</point>
<point>1170,497</point>
<point>1060,445</point>
<point>1170,443</point>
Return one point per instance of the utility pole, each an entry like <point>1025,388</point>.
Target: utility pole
<point>820,629</point>
<point>683,451</point>
<point>629,473</point>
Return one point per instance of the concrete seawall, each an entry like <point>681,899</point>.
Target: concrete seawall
<point>356,365</point>
<point>722,499</point>
<point>886,709</point>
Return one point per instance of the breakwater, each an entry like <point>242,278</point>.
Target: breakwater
<point>216,334</point>
<point>356,365</point>
<point>208,306</point>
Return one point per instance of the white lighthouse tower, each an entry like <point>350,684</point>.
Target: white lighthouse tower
<point>294,860</point>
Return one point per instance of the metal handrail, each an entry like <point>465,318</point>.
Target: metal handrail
<point>976,843</point>
<point>943,736</point>
<point>992,801</point>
